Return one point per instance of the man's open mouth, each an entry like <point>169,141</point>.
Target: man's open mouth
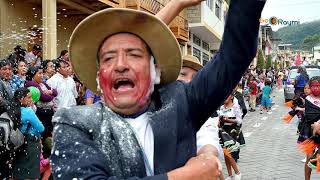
<point>123,84</point>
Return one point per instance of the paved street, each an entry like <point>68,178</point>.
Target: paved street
<point>271,150</point>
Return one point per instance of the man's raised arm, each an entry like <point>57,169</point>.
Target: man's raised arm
<point>216,80</point>
<point>173,8</point>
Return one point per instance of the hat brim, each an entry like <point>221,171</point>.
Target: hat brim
<point>92,31</point>
<point>191,64</point>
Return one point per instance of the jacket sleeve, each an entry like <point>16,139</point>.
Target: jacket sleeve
<point>43,97</point>
<point>74,89</point>
<point>54,91</point>
<point>52,82</point>
<point>76,155</point>
<point>215,81</point>
<point>209,134</point>
<point>29,116</point>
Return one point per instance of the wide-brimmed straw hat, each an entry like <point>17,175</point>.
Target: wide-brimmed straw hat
<point>191,62</point>
<point>93,30</point>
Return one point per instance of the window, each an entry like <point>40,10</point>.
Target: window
<point>205,58</point>
<point>197,53</point>
<point>218,8</point>
<point>181,48</point>
<point>205,46</point>
<point>210,4</point>
<point>196,40</point>
<point>189,49</point>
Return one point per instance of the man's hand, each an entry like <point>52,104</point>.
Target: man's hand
<point>47,92</point>
<point>208,149</point>
<point>173,8</point>
<point>189,3</point>
<point>316,128</point>
<point>202,167</point>
<point>299,109</point>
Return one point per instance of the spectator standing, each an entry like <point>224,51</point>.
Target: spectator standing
<point>280,79</point>
<point>17,55</point>
<point>26,163</point>
<point>19,78</point>
<point>6,105</point>
<point>5,81</point>
<point>33,57</point>
<point>253,91</point>
<point>48,69</point>
<point>91,97</point>
<point>265,100</point>
<point>64,55</point>
<point>300,81</point>
<point>65,86</point>
<point>45,105</point>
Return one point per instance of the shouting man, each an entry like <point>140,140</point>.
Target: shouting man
<point>146,127</point>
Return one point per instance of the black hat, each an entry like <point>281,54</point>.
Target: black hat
<point>4,62</point>
<point>18,48</point>
<point>32,71</point>
<point>37,47</point>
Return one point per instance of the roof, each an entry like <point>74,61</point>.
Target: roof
<point>308,66</point>
<point>285,45</point>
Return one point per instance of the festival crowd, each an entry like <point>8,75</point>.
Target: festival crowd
<point>125,109</point>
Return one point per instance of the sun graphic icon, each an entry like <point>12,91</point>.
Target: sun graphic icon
<point>273,20</point>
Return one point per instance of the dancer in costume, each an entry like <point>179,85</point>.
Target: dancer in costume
<point>312,115</point>
<point>299,110</point>
<point>297,106</point>
<point>230,122</point>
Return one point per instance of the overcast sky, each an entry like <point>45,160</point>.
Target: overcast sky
<point>292,10</point>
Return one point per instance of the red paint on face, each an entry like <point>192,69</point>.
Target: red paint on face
<point>124,73</point>
<point>315,88</point>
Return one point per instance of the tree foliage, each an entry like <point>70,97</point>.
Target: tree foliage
<point>303,36</point>
<point>310,41</point>
<point>275,65</point>
<point>269,62</point>
<point>260,63</point>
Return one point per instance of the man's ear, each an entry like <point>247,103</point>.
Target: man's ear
<point>98,82</point>
<point>158,74</point>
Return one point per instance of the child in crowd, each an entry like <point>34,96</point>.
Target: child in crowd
<point>265,100</point>
<point>260,85</point>
<point>230,123</point>
<point>45,170</point>
<point>238,94</point>
<point>300,112</point>
<point>298,107</point>
<point>253,91</point>
<point>26,163</point>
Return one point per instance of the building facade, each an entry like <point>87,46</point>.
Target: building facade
<point>206,26</point>
<point>316,54</point>
<point>51,22</point>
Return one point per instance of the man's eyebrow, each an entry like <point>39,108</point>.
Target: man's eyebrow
<point>115,51</point>
<point>107,52</point>
<point>135,49</point>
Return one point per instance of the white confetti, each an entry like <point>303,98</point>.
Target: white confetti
<point>56,152</point>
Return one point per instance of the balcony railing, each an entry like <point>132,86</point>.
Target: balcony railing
<point>151,6</point>
<point>179,26</point>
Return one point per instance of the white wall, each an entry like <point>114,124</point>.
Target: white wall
<point>209,18</point>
